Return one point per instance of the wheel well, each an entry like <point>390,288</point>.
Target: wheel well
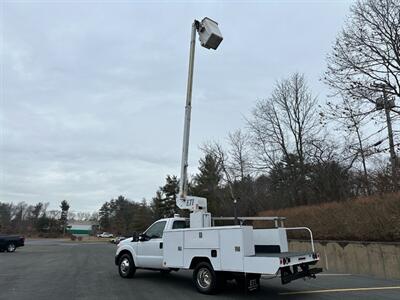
<point>196,260</point>
<point>122,253</point>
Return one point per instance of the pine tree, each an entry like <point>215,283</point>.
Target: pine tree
<point>206,183</point>
<point>170,190</point>
<point>104,216</point>
<point>164,203</point>
<point>64,215</point>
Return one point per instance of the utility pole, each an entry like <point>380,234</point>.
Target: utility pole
<point>393,159</point>
<point>235,211</point>
<point>387,104</point>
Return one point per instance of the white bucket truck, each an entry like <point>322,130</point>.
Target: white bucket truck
<point>214,253</point>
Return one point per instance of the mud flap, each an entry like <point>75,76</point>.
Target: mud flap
<point>252,282</point>
<point>288,275</point>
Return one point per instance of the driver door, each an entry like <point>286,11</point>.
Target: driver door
<point>150,249</point>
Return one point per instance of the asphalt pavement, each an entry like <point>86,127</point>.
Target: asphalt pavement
<point>55,269</point>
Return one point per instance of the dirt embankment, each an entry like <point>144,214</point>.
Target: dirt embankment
<point>375,218</point>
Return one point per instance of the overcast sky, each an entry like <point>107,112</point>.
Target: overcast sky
<point>93,93</point>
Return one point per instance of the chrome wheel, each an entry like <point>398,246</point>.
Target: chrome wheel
<point>204,278</point>
<point>124,266</point>
<point>11,248</point>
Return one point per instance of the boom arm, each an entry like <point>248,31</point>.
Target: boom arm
<point>186,129</point>
<point>210,38</point>
<point>184,201</point>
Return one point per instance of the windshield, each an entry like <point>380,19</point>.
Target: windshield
<point>156,230</point>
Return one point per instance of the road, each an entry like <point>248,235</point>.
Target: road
<point>55,269</point>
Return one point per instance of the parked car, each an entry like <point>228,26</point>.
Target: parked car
<point>105,235</point>
<point>11,242</point>
<point>117,239</point>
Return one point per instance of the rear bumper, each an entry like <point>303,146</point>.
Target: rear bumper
<point>289,274</point>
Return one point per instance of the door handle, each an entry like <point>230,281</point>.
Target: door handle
<point>161,245</point>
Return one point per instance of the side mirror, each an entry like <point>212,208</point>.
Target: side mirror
<point>142,237</point>
<point>135,237</point>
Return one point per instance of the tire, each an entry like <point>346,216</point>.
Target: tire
<point>205,279</point>
<point>11,247</point>
<point>126,266</point>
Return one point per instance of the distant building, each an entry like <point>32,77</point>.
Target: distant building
<point>82,228</point>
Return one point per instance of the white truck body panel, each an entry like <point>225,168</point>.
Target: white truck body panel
<point>228,248</point>
<point>230,242</point>
<point>276,236</point>
<point>174,250</point>
<point>234,247</point>
<point>262,265</point>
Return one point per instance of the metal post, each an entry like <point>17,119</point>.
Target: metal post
<point>391,143</point>
<point>235,211</point>
<point>188,108</point>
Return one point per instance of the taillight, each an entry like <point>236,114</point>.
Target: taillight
<point>315,255</point>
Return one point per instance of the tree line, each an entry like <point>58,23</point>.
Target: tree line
<point>33,219</point>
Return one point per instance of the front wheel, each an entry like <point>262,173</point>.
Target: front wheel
<point>11,247</point>
<point>126,266</point>
<point>205,278</point>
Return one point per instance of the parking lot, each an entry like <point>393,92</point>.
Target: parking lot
<point>56,269</point>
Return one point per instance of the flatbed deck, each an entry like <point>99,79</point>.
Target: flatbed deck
<point>282,254</point>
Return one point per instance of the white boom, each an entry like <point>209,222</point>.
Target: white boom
<point>210,38</point>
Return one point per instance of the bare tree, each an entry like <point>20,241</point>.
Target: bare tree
<point>239,152</point>
<point>365,61</point>
<point>286,123</point>
<point>351,118</point>
<point>235,165</point>
<point>83,216</point>
<point>216,150</point>
<point>367,52</point>
<point>54,214</point>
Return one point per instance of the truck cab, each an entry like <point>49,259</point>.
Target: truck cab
<point>146,249</point>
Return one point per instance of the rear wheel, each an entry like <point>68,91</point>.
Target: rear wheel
<point>11,247</point>
<point>205,278</point>
<point>126,266</point>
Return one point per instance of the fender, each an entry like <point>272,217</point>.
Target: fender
<point>129,246</point>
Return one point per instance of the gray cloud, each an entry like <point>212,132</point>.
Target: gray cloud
<point>93,93</point>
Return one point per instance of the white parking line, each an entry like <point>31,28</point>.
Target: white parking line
<point>342,290</point>
<point>332,274</point>
<point>319,274</point>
